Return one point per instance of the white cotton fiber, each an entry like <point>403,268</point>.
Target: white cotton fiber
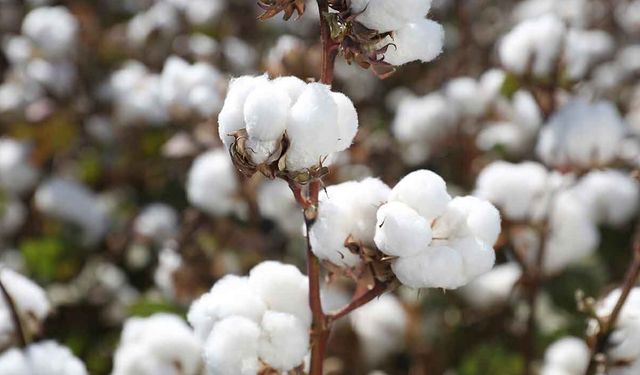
<point>424,191</point>
<point>401,231</point>
<point>388,15</point>
<point>420,40</point>
<point>232,347</point>
<point>492,288</point>
<point>265,112</point>
<point>437,267</point>
<point>568,355</point>
<point>231,117</point>
<point>284,340</point>
<point>347,121</point>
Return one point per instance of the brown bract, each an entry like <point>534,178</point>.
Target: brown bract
<point>273,7</point>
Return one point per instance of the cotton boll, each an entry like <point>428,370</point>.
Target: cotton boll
<point>51,358</point>
<point>283,288</point>
<point>52,29</point>
<point>401,231</point>
<point>265,112</point>
<point>17,174</point>
<point>157,221</point>
<point>381,326</point>
<point>329,233</point>
<point>365,199</point>
<point>69,201</point>
<point>347,121</point>
<point>231,117</point>
<point>230,296</point>
<point>13,361</point>
<point>583,49</point>
<point>294,86</point>
<point>568,355</point>
<point>212,184</point>
<point>467,95</point>
<point>478,257</point>
<point>159,344</point>
<point>388,15</point>
<point>161,20</point>
<point>492,288</point>
<point>420,40</point>
<point>624,342</point>
<point>312,127</point>
<point>582,134</point>
<point>537,40</point>
<point>276,202</point>
<point>424,191</point>
<point>232,347</point>
<point>284,340</point>
<point>438,267</point>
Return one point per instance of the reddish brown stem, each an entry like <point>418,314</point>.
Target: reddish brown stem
<point>15,316</point>
<point>378,289</point>
<point>329,48</point>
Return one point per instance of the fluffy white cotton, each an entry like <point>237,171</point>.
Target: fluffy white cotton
<point>468,95</point>
<point>13,215</point>
<point>568,355</point>
<point>69,201</point>
<point>421,40</point>
<point>438,267</point>
<point>283,288</point>
<point>381,326</point>
<point>347,210</point>
<point>231,117</point>
<point>494,287</point>
<point>388,15</point>
<point>276,202</point>
<point>232,347</point>
<point>161,20</point>
<point>157,221</point>
<point>624,342</point>
<point>585,48</point>
<point>347,121</point>
<point>52,29</point>
<point>284,340</point>
<point>611,196</point>
<point>17,174</point>
<point>401,231</point>
<point>294,86</point>
<point>424,191</point>
<point>521,191</point>
<point>29,300</point>
<point>212,184</point>
<point>42,358</point>
<point>537,41</point>
<point>582,135</point>
<point>159,344</point>
<point>186,87</point>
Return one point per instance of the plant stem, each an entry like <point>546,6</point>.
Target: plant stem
<point>608,324</point>
<point>329,47</point>
<point>378,289</point>
<point>20,334</point>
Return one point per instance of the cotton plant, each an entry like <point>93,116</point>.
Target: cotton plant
<point>41,358</point>
<point>159,344</point>
<point>254,323</point>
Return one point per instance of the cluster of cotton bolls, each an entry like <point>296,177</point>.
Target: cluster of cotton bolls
<point>542,43</point>
<point>413,36</point>
<point>42,358</point>
<point>41,58</point>
<point>254,322</point>
<point>317,121</point>
<point>159,344</point>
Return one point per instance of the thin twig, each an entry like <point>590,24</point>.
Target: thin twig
<point>378,289</point>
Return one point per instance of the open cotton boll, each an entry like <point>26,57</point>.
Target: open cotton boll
<point>159,344</point>
<point>276,203</point>
<point>582,134</point>
<point>347,121</point>
<point>157,221</point>
<point>17,174</point>
<point>537,40</point>
<point>624,341</point>
<point>161,20</point>
<point>585,48</point>
<point>478,257</point>
<point>492,288</point>
<point>52,29</point>
<point>420,40</point>
<point>265,112</point>
<point>437,267</point>
<point>401,231</point>
<point>514,188</point>
<point>630,310</point>
<point>284,340</point>
<point>467,95</point>
<point>381,326</point>
<point>232,347</point>
<point>283,288</point>
<point>212,184</point>
<point>230,296</point>
<point>294,86</point>
<point>29,300</point>
<point>424,191</point>
<point>231,117</point>
<point>49,358</point>
<point>312,127</point>
<point>568,355</point>
<point>74,203</point>
<point>388,15</point>
<point>329,233</point>
<point>611,196</point>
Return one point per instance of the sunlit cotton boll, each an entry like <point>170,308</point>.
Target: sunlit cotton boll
<point>157,221</point>
<point>381,326</point>
<point>74,203</point>
<point>424,191</point>
<point>232,347</point>
<point>493,288</point>
<point>346,210</point>
<point>284,340</point>
<point>159,344</point>
<point>30,302</point>
<point>566,356</point>
<point>582,135</point>
<point>42,358</point>
<point>537,40</point>
<point>212,184</point>
<point>52,29</point>
<point>421,40</point>
<point>17,173</point>
<point>388,15</point>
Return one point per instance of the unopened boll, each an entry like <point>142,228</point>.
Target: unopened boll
<point>160,344</point>
<point>42,358</point>
<point>346,211</point>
